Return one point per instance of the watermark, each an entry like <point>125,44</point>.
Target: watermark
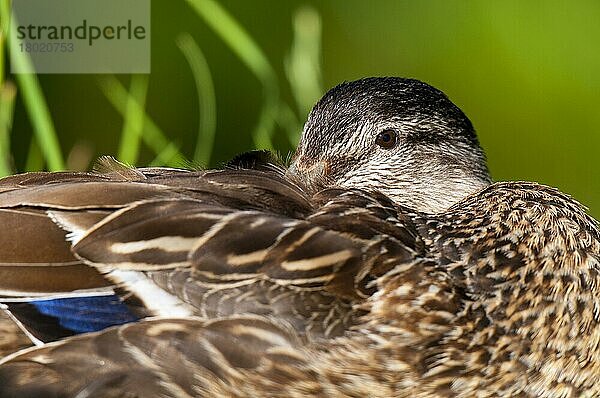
<point>80,36</point>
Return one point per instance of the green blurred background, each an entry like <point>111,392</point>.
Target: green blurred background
<point>525,72</point>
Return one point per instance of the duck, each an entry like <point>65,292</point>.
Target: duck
<point>382,262</point>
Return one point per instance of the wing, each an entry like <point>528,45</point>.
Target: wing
<point>247,356</point>
<point>222,242</point>
<point>156,358</point>
<point>309,272</point>
<point>36,262</point>
<point>32,240</point>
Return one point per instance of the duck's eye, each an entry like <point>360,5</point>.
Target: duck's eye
<point>387,139</point>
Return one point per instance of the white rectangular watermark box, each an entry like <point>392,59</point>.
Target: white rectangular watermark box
<point>80,36</point>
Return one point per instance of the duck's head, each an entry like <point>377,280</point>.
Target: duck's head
<point>399,136</point>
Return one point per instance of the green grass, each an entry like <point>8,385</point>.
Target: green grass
<point>31,93</point>
<point>126,104</point>
<point>133,120</point>
<point>207,107</point>
<point>8,93</point>
<point>302,68</point>
<point>250,54</point>
<point>7,103</point>
<point>303,64</point>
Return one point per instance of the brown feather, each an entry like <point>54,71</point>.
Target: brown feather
<point>505,298</point>
<point>12,339</point>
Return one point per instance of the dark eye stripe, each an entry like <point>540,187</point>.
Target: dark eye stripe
<point>387,139</point>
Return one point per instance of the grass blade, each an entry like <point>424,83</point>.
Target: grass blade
<point>303,64</point>
<point>2,47</point>
<point>236,37</point>
<point>288,121</point>
<point>133,124</point>
<point>152,135</point>
<point>206,98</point>
<point>244,47</point>
<point>33,98</point>
<point>169,155</point>
<point>35,158</point>
<point>7,103</point>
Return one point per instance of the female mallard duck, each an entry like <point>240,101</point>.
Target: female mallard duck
<point>382,263</point>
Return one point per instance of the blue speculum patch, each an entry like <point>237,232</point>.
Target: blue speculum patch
<point>86,314</point>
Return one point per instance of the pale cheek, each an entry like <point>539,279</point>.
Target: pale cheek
<point>386,163</point>
<point>374,176</point>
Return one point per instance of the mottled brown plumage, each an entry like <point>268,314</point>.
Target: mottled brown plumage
<point>12,339</point>
<point>301,283</point>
